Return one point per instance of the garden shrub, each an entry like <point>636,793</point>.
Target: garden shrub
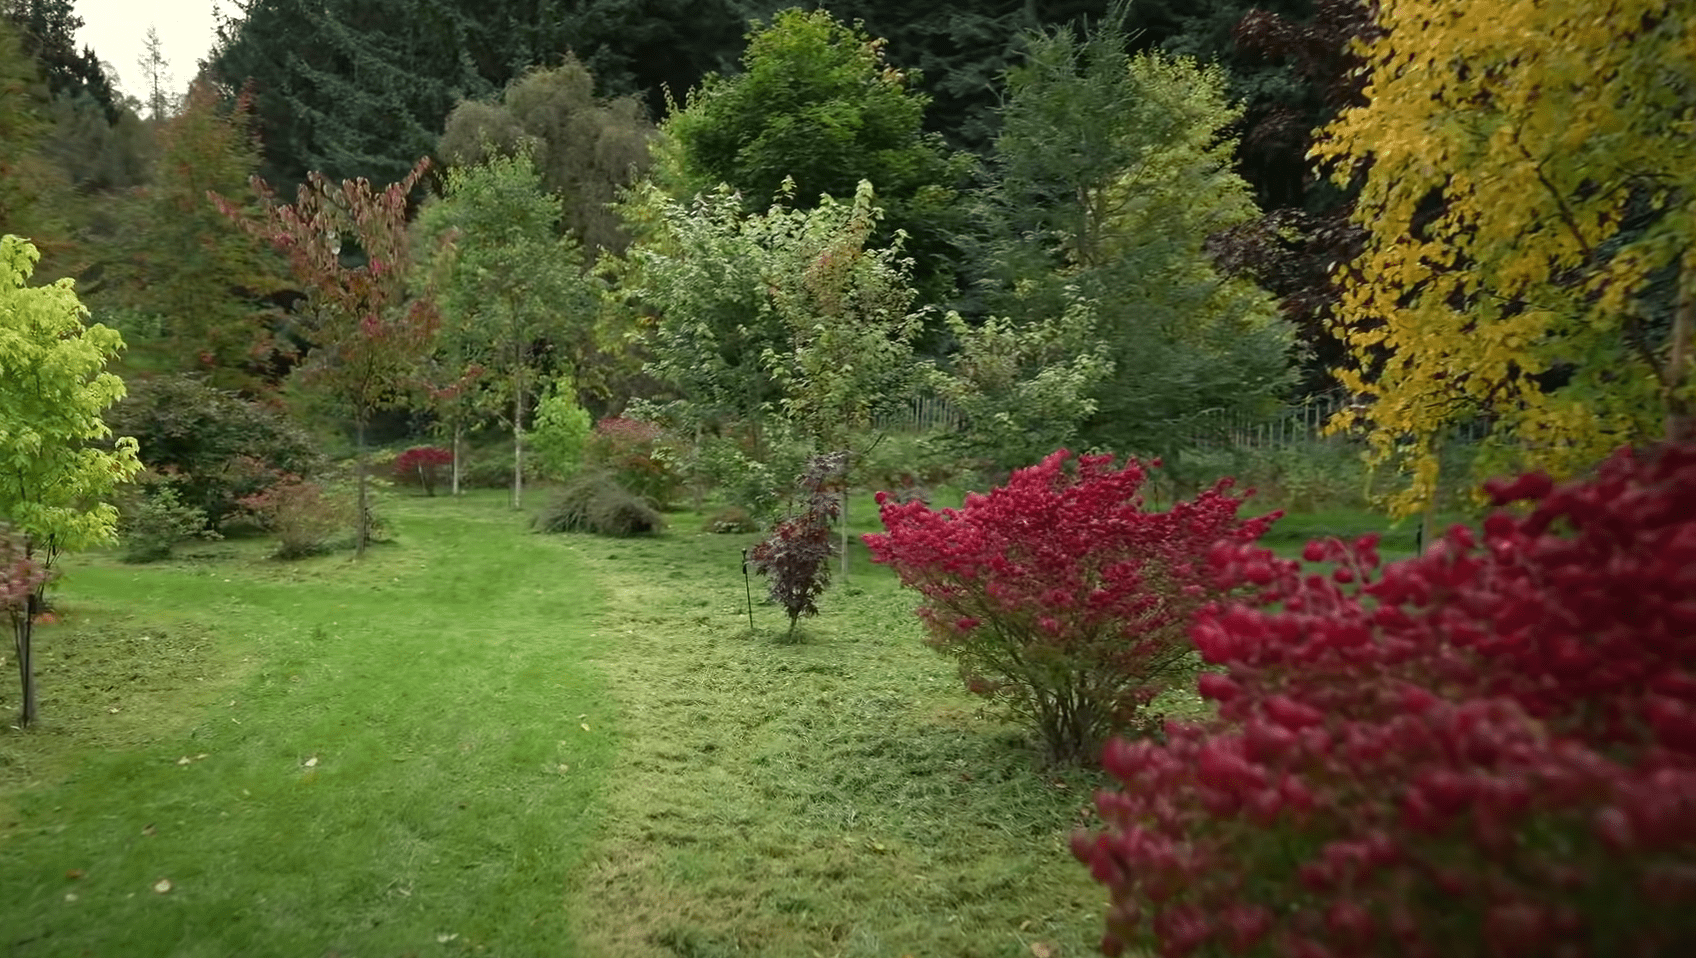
<point>731,519</point>
<point>795,557</point>
<point>422,466</point>
<point>1486,750</point>
<point>306,518</point>
<point>909,467</point>
<point>218,447</point>
<point>755,485</point>
<point>596,503</point>
<point>560,433</point>
<point>637,457</point>
<point>154,520</point>
<point>1059,596</point>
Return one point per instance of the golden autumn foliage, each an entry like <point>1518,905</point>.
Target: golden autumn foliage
<point>1531,200</point>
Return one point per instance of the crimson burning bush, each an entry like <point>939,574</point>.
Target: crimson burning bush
<point>1059,596</point>
<point>421,465</point>
<point>1486,750</point>
<point>796,556</point>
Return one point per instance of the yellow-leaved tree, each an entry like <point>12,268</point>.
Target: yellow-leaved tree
<point>1530,192</point>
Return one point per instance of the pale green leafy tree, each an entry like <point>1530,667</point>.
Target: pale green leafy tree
<point>849,316</point>
<point>53,389</point>
<point>1025,389</point>
<point>509,281</point>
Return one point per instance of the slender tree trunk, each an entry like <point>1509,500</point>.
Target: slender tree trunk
<point>699,484</point>
<point>518,441</point>
<point>1679,421</point>
<point>457,429</point>
<point>363,531</point>
<point>23,625</point>
<point>1428,522</point>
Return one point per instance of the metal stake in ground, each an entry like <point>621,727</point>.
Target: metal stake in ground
<point>748,586</point>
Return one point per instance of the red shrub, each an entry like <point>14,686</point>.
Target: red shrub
<point>634,453</point>
<point>1487,750</point>
<point>795,558</point>
<point>304,516</point>
<point>422,465</point>
<point>1059,595</point>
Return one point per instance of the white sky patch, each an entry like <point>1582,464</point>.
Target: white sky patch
<point>117,30</point>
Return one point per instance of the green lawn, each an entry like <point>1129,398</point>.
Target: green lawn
<point>404,756</point>
<point>484,741</point>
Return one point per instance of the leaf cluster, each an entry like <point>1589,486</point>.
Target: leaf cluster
<point>1059,596</point>
<point>1488,749</point>
<point>795,556</point>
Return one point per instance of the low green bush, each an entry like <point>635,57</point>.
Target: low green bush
<point>596,503</point>
<point>155,520</point>
<point>731,519</point>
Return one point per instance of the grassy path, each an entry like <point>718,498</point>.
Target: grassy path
<point>484,742</point>
<point>401,757</point>
<point>838,798</point>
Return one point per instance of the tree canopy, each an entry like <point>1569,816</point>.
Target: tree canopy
<point>1530,198</point>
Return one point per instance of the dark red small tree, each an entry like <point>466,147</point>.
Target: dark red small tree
<point>422,465</point>
<point>369,336</point>
<point>21,579</point>
<point>1059,596</point>
<point>1486,750</point>
<point>796,556</point>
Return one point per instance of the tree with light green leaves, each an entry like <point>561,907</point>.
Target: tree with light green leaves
<point>1111,173</point>
<point>792,312</point>
<point>54,479</point>
<point>509,285</point>
<point>1025,389</point>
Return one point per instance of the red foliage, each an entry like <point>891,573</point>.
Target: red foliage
<point>421,465</point>
<point>634,452</point>
<point>1486,750</point>
<point>796,556</point>
<point>21,575</point>
<point>1059,595</point>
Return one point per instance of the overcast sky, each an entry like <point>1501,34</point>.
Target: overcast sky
<point>117,30</point>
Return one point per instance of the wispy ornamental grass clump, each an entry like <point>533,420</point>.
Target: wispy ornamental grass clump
<point>1059,596</point>
<point>1486,750</point>
<point>596,503</point>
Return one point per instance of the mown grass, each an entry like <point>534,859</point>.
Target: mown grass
<point>485,741</point>
<point>401,756</point>
<point>838,797</point>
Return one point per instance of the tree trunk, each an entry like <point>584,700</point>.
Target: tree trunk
<point>23,625</point>
<point>518,441</point>
<point>1680,424</point>
<point>1428,522</point>
<point>457,429</point>
<point>363,530</point>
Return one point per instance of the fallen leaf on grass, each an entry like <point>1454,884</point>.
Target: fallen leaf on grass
<point>162,886</point>
<point>1041,950</point>
<point>74,874</point>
